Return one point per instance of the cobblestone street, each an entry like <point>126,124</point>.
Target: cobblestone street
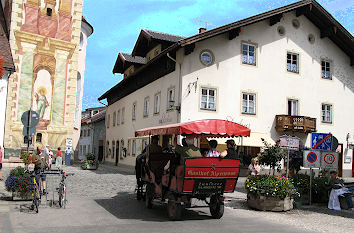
<point>104,200</point>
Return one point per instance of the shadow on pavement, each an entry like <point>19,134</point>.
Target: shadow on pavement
<point>125,206</point>
<point>324,210</point>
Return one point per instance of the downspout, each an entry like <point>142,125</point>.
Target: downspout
<point>179,87</point>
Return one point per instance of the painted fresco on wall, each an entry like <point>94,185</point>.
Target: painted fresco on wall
<point>42,96</point>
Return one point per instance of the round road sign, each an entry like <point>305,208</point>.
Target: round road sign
<point>329,158</point>
<point>311,157</point>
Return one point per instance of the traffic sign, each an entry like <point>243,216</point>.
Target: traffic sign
<point>312,158</point>
<point>69,142</point>
<point>30,118</point>
<point>329,160</point>
<point>321,141</point>
<point>30,132</point>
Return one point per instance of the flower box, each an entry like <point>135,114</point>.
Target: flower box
<point>91,167</point>
<point>269,203</point>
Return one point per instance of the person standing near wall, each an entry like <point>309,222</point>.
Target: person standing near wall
<point>58,158</point>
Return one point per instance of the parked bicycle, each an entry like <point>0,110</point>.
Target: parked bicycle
<point>62,189</point>
<point>36,191</point>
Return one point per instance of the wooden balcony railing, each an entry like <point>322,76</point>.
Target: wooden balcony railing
<point>295,123</point>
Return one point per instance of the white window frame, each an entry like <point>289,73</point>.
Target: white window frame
<point>123,116</point>
<point>114,119</point>
<point>157,100</point>
<point>246,59</point>
<point>289,66</point>
<point>326,113</point>
<point>207,102</point>
<point>170,98</point>
<point>146,107</point>
<point>118,117</point>
<point>246,103</point>
<point>293,107</point>
<point>134,111</point>
<point>324,73</point>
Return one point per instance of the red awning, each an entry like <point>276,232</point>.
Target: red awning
<point>207,128</point>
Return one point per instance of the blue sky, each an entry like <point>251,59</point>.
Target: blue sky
<point>117,24</point>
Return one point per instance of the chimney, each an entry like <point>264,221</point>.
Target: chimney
<point>201,30</point>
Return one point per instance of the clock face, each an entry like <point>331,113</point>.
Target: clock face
<point>206,58</point>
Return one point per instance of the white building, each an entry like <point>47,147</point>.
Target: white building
<point>295,60</point>
<point>8,65</point>
<point>86,31</point>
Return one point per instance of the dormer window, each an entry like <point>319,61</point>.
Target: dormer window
<point>49,12</point>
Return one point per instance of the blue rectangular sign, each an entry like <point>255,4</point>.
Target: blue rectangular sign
<point>321,141</point>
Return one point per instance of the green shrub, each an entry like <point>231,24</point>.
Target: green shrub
<point>90,156</point>
<point>270,186</point>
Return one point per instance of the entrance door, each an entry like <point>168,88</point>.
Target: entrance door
<point>117,153</point>
<point>100,150</point>
<point>340,159</point>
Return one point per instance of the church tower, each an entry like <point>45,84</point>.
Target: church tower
<point>44,39</point>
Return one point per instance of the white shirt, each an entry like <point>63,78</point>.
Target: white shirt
<point>213,153</point>
<point>254,168</point>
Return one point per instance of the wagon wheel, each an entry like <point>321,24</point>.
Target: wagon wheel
<point>174,208</point>
<point>216,207</point>
<point>149,195</point>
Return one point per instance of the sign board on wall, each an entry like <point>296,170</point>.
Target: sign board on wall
<point>288,142</point>
<point>312,158</point>
<point>329,160</point>
<point>69,142</point>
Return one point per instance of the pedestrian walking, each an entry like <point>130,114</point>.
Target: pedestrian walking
<point>50,159</point>
<point>0,163</point>
<point>58,158</point>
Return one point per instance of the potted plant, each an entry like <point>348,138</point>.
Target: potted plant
<point>26,158</point>
<point>89,163</point>
<point>270,192</point>
<point>302,185</point>
<point>19,183</point>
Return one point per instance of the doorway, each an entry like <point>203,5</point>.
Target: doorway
<point>100,150</point>
<point>117,153</point>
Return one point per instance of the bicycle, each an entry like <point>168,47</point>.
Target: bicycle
<point>62,190</point>
<point>36,193</point>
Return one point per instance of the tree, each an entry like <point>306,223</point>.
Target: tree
<point>272,156</point>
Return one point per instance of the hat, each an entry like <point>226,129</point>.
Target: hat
<point>231,142</point>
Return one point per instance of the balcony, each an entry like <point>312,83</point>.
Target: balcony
<point>295,123</point>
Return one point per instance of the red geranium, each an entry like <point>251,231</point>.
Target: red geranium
<point>1,67</point>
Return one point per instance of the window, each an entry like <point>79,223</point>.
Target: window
<point>144,144</point>
<point>108,120</point>
<point>156,103</point>
<point>170,98</point>
<point>49,11</point>
<point>123,113</point>
<point>326,70</point>
<point>134,111</point>
<point>118,117</point>
<point>327,113</point>
<point>292,107</point>
<point>129,149</point>
<point>39,137</point>
<point>89,149</point>
<point>114,119</point>
<point>88,132</point>
<point>107,149</point>
<point>293,62</point>
<point>81,134</point>
<point>134,147</point>
<point>208,99</point>
<point>248,103</point>
<point>146,106</point>
<point>84,132</point>
<point>248,54</point>
<point>84,149</point>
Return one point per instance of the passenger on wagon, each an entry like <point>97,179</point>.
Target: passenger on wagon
<point>189,150</point>
<point>212,151</point>
<point>230,152</point>
<point>154,147</point>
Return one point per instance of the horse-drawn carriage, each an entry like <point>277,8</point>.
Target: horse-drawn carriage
<point>165,177</point>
